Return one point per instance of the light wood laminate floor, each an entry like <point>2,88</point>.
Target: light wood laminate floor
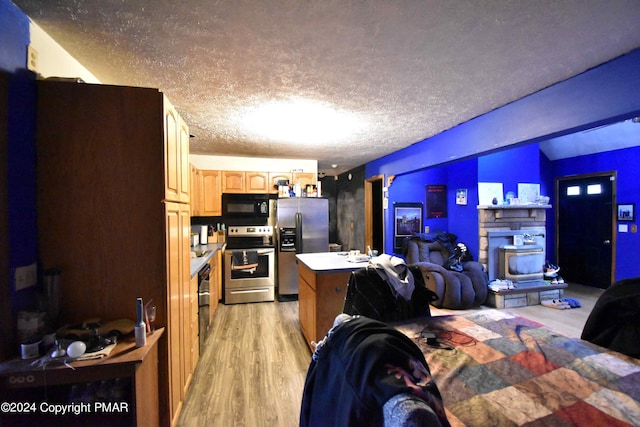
<point>253,368</point>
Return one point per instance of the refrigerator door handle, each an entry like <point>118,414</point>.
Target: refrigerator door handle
<point>299,248</point>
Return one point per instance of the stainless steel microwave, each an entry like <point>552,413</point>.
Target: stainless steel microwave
<point>246,208</point>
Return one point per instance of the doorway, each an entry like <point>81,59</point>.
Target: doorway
<point>374,213</point>
<point>585,237</point>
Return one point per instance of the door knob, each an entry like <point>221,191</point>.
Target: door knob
<point>607,242</point>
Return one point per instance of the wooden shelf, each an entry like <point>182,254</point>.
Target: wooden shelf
<point>137,367</point>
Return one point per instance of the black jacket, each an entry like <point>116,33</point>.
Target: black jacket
<point>369,295</point>
<point>614,322</point>
<point>355,371</point>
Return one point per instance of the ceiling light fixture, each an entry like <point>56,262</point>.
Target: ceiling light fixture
<point>299,120</point>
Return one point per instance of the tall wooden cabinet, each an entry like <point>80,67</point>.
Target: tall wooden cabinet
<point>113,212</point>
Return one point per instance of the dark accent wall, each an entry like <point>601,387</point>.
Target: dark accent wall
<point>350,208</point>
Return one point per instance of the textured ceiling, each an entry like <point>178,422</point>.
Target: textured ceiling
<point>403,70</point>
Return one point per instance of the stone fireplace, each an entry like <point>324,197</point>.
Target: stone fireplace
<point>498,225</point>
<point>513,246</point>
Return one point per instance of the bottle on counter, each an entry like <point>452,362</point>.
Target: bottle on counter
<point>140,328</point>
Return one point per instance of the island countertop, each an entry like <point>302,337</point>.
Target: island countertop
<point>329,262</point>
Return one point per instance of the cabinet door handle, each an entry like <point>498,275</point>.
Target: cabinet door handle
<point>338,290</point>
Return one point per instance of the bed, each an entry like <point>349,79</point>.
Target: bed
<point>494,368</point>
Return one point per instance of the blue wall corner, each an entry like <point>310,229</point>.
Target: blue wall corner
<point>21,150</point>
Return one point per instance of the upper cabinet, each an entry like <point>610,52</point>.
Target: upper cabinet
<point>176,155</point>
<point>256,182</point>
<point>232,181</point>
<point>245,182</point>
<point>196,192</point>
<point>304,178</point>
<point>275,178</point>
<point>211,192</point>
<point>207,186</point>
<point>206,192</point>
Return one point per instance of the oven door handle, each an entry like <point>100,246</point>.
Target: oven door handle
<point>265,251</point>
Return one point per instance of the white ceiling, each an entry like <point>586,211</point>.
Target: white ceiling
<point>402,71</point>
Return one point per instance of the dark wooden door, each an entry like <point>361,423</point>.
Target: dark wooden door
<point>585,238</point>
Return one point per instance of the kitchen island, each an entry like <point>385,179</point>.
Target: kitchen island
<point>322,286</point>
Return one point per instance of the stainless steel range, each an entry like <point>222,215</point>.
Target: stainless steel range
<point>249,264</point>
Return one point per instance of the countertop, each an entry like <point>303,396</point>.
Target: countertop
<point>198,263</point>
<point>329,262</point>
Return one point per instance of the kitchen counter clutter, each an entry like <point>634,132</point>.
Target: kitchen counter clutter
<point>120,389</point>
<point>210,250</point>
<point>322,286</point>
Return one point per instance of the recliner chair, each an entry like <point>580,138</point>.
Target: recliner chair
<point>455,290</point>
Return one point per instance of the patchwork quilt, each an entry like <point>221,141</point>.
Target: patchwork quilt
<point>494,368</point>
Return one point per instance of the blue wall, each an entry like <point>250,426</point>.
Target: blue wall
<point>605,94</point>
<point>21,176</point>
<point>625,162</point>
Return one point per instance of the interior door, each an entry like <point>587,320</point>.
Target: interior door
<point>585,228</point>
<point>374,213</point>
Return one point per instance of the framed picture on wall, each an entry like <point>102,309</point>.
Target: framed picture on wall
<point>626,211</point>
<point>461,196</point>
<point>436,201</point>
<point>407,220</point>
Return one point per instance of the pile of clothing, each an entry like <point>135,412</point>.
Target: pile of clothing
<point>561,303</point>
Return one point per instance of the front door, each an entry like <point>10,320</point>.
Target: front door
<point>585,235</point>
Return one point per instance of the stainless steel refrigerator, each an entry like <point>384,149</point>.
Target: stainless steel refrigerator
<point>303,227</point>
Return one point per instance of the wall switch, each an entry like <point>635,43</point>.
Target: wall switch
<point>426,228</point>
<point>26,276</point>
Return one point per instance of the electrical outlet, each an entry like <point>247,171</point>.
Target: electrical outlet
<point>426,229</point>
<point>32,59</point>
<point>26,276</point>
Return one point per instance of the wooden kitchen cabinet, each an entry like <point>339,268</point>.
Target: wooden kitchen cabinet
<point>215,283</point>
<point>245,182</point>
<point>211,193</point>
<point>206,192</point>
<point>176,160</point>
<point>194,344</point>
<point>112,192</point>
<point>195,184</point>
<point>304,178</point>
<point>256,182</point>
<point>233,181</point>
<point>320,299</point>
<point>275,177</point>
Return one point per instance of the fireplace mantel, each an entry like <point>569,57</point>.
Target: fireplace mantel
<point>514,206</point>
